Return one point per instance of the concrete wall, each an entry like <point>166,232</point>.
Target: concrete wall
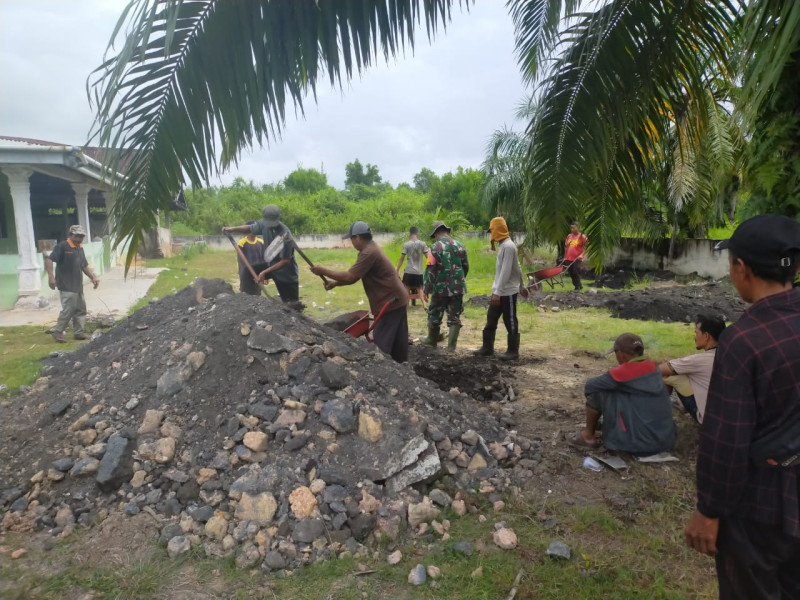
<point>220,242</point>
<point>691,256</point>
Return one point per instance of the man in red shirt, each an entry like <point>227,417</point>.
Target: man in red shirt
<point>575,254</point>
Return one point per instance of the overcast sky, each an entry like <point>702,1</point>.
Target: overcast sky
<point>436,108</point>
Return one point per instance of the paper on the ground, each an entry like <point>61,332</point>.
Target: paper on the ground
<point>658,458</point>
<point>615,462</point>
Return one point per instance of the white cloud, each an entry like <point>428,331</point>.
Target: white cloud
<point>434,108</point>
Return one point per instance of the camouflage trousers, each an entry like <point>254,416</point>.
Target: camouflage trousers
<point>437,305</point>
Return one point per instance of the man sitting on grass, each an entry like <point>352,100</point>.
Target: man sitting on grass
<point>637,415</point>
<point>690,375</point>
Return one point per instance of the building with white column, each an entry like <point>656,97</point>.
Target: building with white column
<point>44,189</point>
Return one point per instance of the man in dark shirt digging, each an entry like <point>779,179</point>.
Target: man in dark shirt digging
<point>381,285</point>
<point>68,278</point>
<point>748,511</point>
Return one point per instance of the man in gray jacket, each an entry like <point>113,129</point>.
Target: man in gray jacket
<point>637,415</point>
<point>508,282</point>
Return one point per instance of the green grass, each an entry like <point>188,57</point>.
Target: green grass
<point>21,348</point>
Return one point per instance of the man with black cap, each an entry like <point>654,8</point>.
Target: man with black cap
<point>414,249</point>
<point>637,414</point>
<point>381,285</point>
<point>445,285</point>
<point>748,462</point>
<point>278,261</point>
<point>68,278</point>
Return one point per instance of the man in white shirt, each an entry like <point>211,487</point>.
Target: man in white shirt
<point>508,282</point>
<point>690,375</point>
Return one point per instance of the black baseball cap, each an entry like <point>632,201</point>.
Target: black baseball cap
<point>765,241</point>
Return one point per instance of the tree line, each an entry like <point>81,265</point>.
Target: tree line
<point>309,204</point>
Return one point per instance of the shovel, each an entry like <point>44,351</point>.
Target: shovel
<point>246,263</point>
<point>291,240</point>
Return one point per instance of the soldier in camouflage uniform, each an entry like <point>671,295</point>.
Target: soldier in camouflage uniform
<point>445,286</point>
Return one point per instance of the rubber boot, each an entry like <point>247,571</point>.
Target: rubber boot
<point>513,348</point>
<point>452,337</point>
<point>433,336</point>
<point>488,343</point>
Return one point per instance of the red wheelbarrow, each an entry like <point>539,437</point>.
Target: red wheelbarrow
<point>552,276</point>
<point>366,323</point>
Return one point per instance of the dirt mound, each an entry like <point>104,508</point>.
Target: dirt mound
<point>669,303</point>
<point>245,428</point>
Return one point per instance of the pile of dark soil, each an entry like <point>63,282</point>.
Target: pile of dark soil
<point>245,428</point>
<point>670,303</point>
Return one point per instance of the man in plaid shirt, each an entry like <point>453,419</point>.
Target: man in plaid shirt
<point>748,512</point>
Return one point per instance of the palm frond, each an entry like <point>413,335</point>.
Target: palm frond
<point>609,103</point>
<point>196,81</point>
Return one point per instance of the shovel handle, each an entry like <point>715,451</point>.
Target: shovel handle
<point>304,257</point>
<point>246,262</point>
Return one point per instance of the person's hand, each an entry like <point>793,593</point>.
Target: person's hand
<point>51,281</point>
<point>329,284</point>
<point>701,533</point>
<point>524,292</point>
<point>316,270</point>
<point>226,229</point>
<point>260,278</point>
<point>95,282</point>
<point>495,300</point>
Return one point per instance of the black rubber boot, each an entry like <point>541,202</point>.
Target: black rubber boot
<point>433,336</point>
<point>488,343</point>
<point>452,337</point>
<point>513,348</point>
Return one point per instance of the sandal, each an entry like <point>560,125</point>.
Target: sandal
<point>579,443</point>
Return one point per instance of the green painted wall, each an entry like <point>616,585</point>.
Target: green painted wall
<point>95,254</point>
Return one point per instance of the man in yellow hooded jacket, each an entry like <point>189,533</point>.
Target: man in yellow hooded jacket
<point>508,283</point>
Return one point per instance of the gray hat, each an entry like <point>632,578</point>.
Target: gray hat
<point>77,230</point>
<point>437,226</point>
<point>765,241</point>
<point>271,215</point>
<point>357,228</point>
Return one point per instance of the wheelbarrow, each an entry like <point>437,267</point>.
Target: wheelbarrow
<point>366,323</point>
<point>552,276</point>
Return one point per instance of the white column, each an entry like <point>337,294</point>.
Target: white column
<point>28,272</point>
<point>82,203</point>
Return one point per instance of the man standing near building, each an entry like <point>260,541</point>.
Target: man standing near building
<point>445,285</point>
<point>253,251</point>
<point>575,254</point>
<point>508,282</point>
<point>415,250</point>
<point>690,375</point>
<point>748,462</point>
<point>68,278</point>
<point>381,285</point>
<point>282,268</point>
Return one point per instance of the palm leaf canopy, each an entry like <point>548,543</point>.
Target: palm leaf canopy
<point>623,79</point>
<point>196,81</point>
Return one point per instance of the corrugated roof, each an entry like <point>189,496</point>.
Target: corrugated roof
<point>19,141</point>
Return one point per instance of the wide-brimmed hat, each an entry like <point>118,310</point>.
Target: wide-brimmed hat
<point>765,241</point>
<point>437,226</point>
<point>271,215</point>
<point>77,230</point>
<point>357,228</point>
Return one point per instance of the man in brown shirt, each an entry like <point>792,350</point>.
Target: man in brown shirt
<point>381,285</point>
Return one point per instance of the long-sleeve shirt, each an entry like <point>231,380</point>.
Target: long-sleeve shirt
<point>755,384</point>
<point>508,278</point>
